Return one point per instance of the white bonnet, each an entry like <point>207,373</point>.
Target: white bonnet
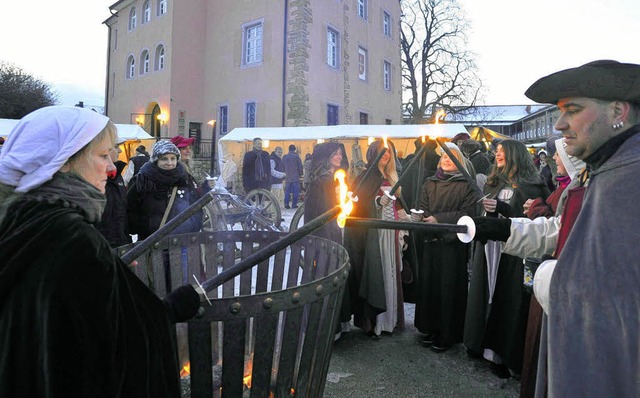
<point>42,142</point>
<point>572,164</point>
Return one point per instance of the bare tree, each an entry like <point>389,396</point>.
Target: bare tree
<point>21,93</point>
<point>438,71</point>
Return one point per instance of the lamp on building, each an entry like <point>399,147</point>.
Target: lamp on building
<point>162,118</point>
<point>140,121</point>
<point>212,123</point>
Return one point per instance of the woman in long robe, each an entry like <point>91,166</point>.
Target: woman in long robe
<point>442,271</point>
<point>376,254</point>
<point>498,303</point>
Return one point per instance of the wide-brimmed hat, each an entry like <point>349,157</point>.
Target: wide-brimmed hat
<point>182,142</point>
<point>603,79</point>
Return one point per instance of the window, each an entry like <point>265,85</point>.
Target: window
<point>332,115</point>
<point>362,9</point>
<point>146,12</point>
<point>362,63</point>
<point>364,118</point>
<point>386,75</point>
<point>144,65</point>
<point>386,24</point>
<point>250,114</point>
<point>159,58</point>
<point>252,44</point>
<point>131,67</point>
<point>133,18</point>
<point>115,39</point>
<point>332,48</point>
<point>224,119</point>
<point>162,7</point>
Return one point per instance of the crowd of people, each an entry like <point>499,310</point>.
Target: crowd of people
<point>546,291</point>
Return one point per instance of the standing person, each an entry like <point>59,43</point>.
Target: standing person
<point>442,271</point>
<point>307,171</point>
<point>135,163</point>
<point>431,160</point>
<point>545,170</point>
<point>161,180</point>
<point>184,145</point>
<point>321,196</point>
<point>294,170</point>
<point>591,337</point>
<point>498,303</point>
<point>472,150</point>
<point>376,254</point>
<point>255,168</point>
<point>74,320</point>
<point>113,224</point>
<point>277,175</point>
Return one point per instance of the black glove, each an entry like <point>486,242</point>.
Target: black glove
<point>183,303</point>
<point>491,228</point>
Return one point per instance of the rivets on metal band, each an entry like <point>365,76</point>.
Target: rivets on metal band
<point>235,307</point>
<point>267,303</point>
<point>295,298</point>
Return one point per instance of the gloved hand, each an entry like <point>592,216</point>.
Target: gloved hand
<point>384,200</point>
<point>183,303</point>
<point>491,228</point>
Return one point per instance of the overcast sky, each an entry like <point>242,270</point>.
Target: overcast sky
<point>516,42</point>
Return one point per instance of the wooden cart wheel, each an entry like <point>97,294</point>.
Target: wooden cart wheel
<point>264,201</point>
<point>298,218</point>
<point>213,220</point>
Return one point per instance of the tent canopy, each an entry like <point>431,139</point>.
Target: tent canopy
<point>239,140</point>
<point>484,134</point>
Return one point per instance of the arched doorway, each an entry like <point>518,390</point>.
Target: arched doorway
<point>155,123</point>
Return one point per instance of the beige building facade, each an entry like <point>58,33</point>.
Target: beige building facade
<point>175,65</point>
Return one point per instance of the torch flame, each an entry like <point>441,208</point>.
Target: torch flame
<point>440,115</point>
<point>384,140</point>
<point>186,370</point>
<point>346,204</point>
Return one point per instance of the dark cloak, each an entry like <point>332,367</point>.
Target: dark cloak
<point>442,275</point>
<point>501,325</point>
<point>74,320</point>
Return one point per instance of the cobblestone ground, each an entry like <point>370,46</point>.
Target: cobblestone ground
<point>398,366</point>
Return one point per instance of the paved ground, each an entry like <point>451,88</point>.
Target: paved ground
<point>398,366</point>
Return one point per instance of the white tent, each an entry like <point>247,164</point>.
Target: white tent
<point>355,137</point>
<point>128,131</point>
<point>239,140</point>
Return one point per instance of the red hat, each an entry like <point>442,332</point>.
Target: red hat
<point>182,142</point>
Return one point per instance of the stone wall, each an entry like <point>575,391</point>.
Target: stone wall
<point>298,48</point>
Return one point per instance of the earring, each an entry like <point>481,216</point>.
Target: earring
<point>618,125</point>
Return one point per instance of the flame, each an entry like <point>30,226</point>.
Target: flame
<point>440,115</point>
<point>186,370</point>
<point>346,205</point>
<point>384,140</point>
<point>247,381</point>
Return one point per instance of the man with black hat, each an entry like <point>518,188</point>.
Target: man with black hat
<point>591,336</point>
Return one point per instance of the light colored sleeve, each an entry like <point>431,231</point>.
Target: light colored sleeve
<point>532,238</point>
<point>274,172</point>
<point>542,282</point>
<point>128,174</point>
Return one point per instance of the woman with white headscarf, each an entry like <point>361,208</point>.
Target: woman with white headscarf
<point>74,320</point>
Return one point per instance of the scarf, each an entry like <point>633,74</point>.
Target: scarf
<point>152,178</point>
<point>260,172</point>
<point>445,176</point>
<point>71,190</point>
<point>563,181</point>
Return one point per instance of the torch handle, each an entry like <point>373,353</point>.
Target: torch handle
<point>434,228</point>
<point>413,160</point>
<point>461,168</point>
<point>155,237</point>
<point>369,170</point>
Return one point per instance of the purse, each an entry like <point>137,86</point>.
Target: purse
<point>169,206</point>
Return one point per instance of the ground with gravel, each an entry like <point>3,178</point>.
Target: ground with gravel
<point>399,366</point>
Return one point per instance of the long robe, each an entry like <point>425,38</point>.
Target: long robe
<point>593,325</point>
<point>498,303</point>
<point>74,320</point>
<point>442,275</point>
